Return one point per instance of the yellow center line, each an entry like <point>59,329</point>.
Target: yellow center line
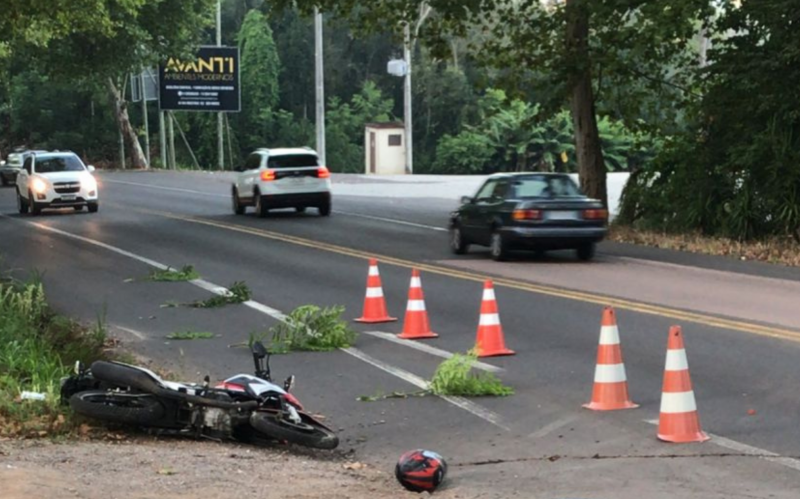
<point>622,304</point>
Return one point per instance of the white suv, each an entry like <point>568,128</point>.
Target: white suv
<point>56,180</point>
<point>282,178</point>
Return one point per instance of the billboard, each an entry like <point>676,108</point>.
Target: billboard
<point>209,82</point>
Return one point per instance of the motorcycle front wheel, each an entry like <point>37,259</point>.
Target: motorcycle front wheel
<point>140,409</point>
<point>306,433</point>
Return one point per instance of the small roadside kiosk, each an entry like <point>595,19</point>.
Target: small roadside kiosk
<point>384,145</point>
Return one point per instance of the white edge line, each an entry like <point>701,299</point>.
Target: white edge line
<point>741,448</point>
<point>351,214</point>
<point>422,347</point>
<point>460,402</point>
<point>392,220</point>
<point>415,380</point>
<point>133,332</point>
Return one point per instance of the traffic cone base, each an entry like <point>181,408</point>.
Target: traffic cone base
<point>416,325</point>
<point>490,341</point>
<point>374,303</point>
<point>678,420</point>
<point>610,392</point>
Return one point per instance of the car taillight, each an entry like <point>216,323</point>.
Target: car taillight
<point>268,175</point>
<point>595,214</point>
<point>527,215</point>
<point>322,172</point>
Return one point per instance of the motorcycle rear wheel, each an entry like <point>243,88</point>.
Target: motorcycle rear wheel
<point>139,409</point>
<point>306,433</point>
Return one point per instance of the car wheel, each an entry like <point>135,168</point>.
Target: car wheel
<point>5,181</point>
<point>261,209</point>
<point>93,207</point>
<point>498,246</point>
<point>325,209</point>
<point>586,251</point>
<point>22,204</point>
<point>300,209</point>
<point>457,243</point>
<point>34,206</point>
<point>238,209</point>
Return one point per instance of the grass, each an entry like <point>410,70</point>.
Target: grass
<point>37,348</point>
<point>311,328</point>
<point>186,273</point>
<point>238,292</point>
<point>190,335</point>
<point>454,377</point>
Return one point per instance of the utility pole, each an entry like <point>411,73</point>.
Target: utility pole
<point>162,139</point>
<point>220,140</point>
<point>407,120</point>
<point>320,85</point>
<point>146,121</point>
<point>172,165</point>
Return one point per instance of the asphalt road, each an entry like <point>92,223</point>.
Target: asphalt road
<point>739,319</point>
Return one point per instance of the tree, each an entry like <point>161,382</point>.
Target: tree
<point>578,45</point>
<point>259,73</point>
<point>128,35</point>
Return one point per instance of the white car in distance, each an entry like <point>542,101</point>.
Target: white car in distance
<point>56,180</point>
<point>282,178</point>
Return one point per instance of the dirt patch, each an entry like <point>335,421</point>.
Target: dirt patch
<point>782,251</point>
<point>179,469</point>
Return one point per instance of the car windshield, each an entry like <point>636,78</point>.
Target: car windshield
<point>292,161</point>
<point>59,164</point>
<point>545,186</point>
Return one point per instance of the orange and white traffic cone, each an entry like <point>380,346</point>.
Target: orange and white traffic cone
<point>490,341</point>
<point>610,392</point>
<point>416,325</point>
<point>374,303</point>
<point>678,421</point>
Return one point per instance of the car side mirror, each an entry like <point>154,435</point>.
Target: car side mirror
<point>90,168</point>
<point>2,163</point>
<point>467,200</point>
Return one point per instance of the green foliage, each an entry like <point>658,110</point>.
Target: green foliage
<point>311,328</point>
<point>454,377</point>
<point>733,172</point>
<point>37,348</point>
<point>345,127</point>
<point>466,153</point>
<point>186,273</point>
<point>260,67</point>
<point>238,292</point>
<point>190,335</point>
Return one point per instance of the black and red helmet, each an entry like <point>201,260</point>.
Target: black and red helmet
<point>420,470</point>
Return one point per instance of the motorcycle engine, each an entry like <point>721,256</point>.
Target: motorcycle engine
<point>217,420</point>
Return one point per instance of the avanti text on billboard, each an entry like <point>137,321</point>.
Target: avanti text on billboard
<point>210,82</point>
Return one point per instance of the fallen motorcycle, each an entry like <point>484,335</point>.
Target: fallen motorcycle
<point>243,407</point>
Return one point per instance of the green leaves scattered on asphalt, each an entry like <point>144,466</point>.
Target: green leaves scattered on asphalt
<point>238,292</point>
<point>393,395</point>
<point>190,335</point>
<point>311,328</point>
<point>186,273</point>
<point>454,377</point>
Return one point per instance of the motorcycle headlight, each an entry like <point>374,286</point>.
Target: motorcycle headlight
<point>39,186</point>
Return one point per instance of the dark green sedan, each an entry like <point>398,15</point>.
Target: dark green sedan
<point>534,211</point>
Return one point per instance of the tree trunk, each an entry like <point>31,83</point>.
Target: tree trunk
<point>591,166</point>
<point>124,123</point>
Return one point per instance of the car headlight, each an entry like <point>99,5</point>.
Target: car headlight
<point>39,186</point>
<point>89,183</point>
